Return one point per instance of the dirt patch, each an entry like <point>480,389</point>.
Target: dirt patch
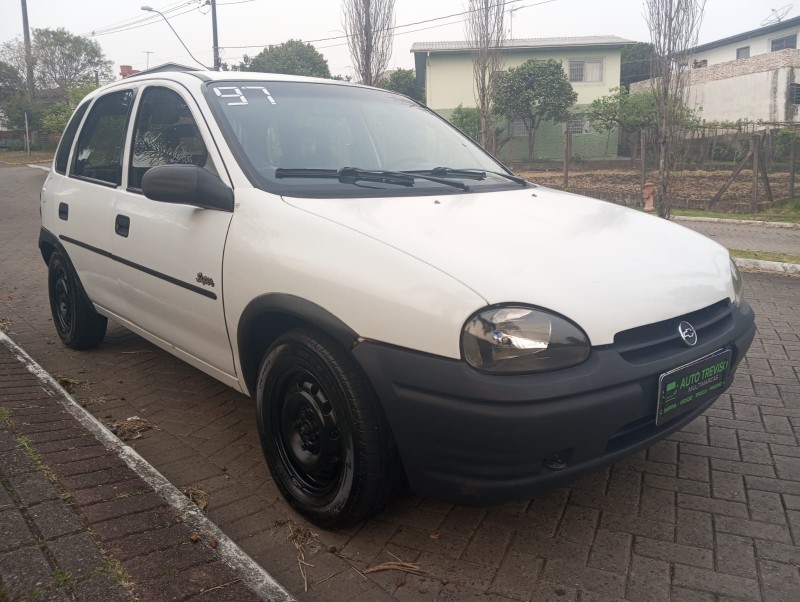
<point>690,189</point>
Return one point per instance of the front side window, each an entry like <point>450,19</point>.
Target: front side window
<point>784,43</point>
<point>279,129</point>
<point>586,70</point>
<point>62,154</point>
<point>99,152</point>
<point>165,134</point>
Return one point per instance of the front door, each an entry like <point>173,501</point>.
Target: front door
<point>169,255</point>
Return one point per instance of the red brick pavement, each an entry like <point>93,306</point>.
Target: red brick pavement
<point>77,524</point>
<point>712,513</point>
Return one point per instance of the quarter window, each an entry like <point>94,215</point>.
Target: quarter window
<point>166,134</point>
<point>62,154</point>
<point>586,70</point>
<point>784,43</point>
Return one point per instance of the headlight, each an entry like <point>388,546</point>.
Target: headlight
<point>514,340</point>
<point>738,285</point>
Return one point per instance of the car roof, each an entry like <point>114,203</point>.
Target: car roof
<point>190,77</point>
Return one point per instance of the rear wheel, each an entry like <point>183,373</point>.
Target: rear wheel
<point>76,321</point>
<point>326,441</point>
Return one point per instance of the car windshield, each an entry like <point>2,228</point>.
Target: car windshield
<point>331,140</point>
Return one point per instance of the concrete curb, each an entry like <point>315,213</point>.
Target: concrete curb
<point>735,222</point>
<point>759,265</point>
<point>252,574</point>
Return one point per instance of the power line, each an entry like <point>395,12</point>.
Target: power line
<point>144,22</point>
<point>344,37</point>
<point>127,23</point>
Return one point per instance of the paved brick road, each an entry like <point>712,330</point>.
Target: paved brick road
<point>713,513</point>
<point>747,236</point>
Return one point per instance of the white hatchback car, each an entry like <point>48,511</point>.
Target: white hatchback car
<point>395,300</point>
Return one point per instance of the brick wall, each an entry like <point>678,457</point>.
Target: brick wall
<point>760,63</point>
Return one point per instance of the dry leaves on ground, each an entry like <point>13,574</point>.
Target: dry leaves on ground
<point>130,428</point>
<point>196,495</point>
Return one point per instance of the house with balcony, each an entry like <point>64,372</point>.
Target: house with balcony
<point>592,64</point>
<point>750,75</point>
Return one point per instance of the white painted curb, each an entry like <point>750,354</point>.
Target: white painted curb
<point>42,167</point>
<point>735,222</point>
<point>252,574</point>
<point>759,265</point>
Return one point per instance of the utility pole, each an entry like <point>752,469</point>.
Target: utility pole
<point>148,53</point>
<point>28,54</point>
<point>214,33</point>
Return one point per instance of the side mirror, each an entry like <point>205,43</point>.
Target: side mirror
<point>187,185</point>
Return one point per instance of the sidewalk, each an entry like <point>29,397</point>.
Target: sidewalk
<point>77,523</point>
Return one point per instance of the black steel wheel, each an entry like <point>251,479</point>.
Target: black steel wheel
<point>326,442</point>
<point>78,325</point>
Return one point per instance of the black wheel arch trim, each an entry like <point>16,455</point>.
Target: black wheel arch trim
<point>49,244</point>
<point>269,315</point>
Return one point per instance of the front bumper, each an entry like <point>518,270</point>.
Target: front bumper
<point>483,439</point>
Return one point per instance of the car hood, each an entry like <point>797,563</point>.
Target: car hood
<point>606,267</point>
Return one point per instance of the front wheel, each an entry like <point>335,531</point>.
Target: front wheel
<point>76,321</point>
<point>324,436</point>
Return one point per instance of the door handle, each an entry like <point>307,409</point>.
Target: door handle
<point>122,225</point>
<point>63,211</point>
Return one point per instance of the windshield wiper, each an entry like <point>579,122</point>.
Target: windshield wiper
<point>354,174</point>
<point>473,174</point>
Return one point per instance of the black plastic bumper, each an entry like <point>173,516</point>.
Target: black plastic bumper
<point>482,439</point>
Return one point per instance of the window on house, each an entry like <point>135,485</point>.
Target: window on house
<point>586,70</point>
<point>517,129</point>
<point>794,94</point>
<point>784,43</point>
<point>743,52</point>
<point>577,125</point>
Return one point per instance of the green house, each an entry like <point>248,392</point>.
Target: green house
<point>592,64</point>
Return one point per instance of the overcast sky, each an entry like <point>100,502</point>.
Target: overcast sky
<point>257,23</point>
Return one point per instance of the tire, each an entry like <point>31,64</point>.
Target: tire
<point>76,321</point>
<point>326,441</point>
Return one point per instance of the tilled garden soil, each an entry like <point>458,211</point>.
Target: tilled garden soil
<point>690,189</point>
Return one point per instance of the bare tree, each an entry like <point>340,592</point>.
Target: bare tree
<point>369,27</point>
<point>674,27</point>
<point>486,33</point>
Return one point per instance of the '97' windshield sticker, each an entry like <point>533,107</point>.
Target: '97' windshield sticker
<point>236,92</point>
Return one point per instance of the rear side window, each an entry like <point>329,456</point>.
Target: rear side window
<point>62,155</point>
<point>99,152</point>
<point>166,134</point>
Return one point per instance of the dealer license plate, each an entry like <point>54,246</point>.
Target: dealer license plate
<point>683,389</point>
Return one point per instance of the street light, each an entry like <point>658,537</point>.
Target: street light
<point>152,10</point>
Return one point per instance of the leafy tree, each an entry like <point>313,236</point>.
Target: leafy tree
<point>532,92</point>
<point>292,58</point>
<point>11,84</point>
<point>62,60</point>
<point>54,118</point>
<point>633,112</point>
<point>405,82</point>
<point>468,120</point>
<point>636,61</point>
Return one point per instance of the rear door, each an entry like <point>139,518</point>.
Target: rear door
<point>84,201</point>
<point>170,256</point>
